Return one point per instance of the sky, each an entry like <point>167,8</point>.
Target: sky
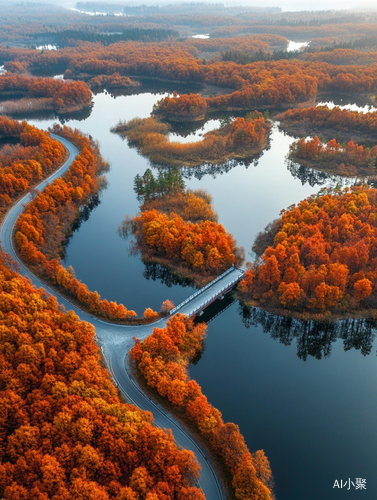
<point>286,5</point>
<point>295,5</point>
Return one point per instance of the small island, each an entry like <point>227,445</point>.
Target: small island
<point>349,160</point>
<point>319,259</point>
<point>181,108</point>
<point>344,124</point>
<point>240,139</point>
<point>178,229</point>
<point>109,82</point>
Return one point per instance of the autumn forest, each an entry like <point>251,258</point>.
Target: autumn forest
<point>160,167</point>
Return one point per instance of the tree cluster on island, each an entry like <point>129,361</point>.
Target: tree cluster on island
<point>342,123</point>
<point>241,138</point>
<point>319,258</point>
<point>350,160</point>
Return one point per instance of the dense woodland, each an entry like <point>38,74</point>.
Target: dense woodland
<point>302,32</point>
<point>351,160</point>
<point>322,258</point>
<point>193,206</point>
<point>187,107</point>
<point>64,433</point>
<point>26,157</point>
<point>199,250</point>
<point>263,83</point>
<point>166,193</point>
<point>321,120</point>
<point>178,228</point>
<point>162,360</point>
<point>42,93</point>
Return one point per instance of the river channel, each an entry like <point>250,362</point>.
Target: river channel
<point>304,393</point>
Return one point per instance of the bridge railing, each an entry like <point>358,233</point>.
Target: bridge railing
<point>173,311</point>
<point>212,297</point>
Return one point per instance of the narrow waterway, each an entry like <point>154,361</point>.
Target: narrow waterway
<point>306,396</point>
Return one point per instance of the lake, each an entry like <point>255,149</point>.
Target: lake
<point>304,393</point>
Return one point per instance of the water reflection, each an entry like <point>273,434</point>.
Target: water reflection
<point>79,116</point>
<point>215,309</point>
<point>85,211</point>
<point>361,103</point>
<point>211,169</point>
<point>83,216</point>
<point>318,178</point>
<point>153,87</point>
<point>44,115</point>
<point>194,133</point>
<point>313,338</point>
<point>158,272</point>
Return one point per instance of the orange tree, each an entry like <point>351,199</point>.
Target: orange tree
<point>204,246</point>
<point>64,433</point>
<point>162,359</point>
<point>324,256</point>
<point>25,163</point>
<point>44,224</point>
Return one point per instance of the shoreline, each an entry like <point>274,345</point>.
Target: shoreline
<point>326,316</point>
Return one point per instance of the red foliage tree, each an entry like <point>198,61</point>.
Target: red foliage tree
<point>162,359</point>
<point>323,258</point>
<point>64,433</point>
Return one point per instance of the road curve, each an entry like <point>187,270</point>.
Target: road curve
<point>115,342</point>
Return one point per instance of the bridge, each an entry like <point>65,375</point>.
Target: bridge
<point>201,299</point>
<point>116,340</point>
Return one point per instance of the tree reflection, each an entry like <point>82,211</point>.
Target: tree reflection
<point>313,338</point>
<point>318,178</point>
<point>83,216</point>
<point>345,99</point>
<point>212,169</point>
<point>158,272</point>
<point>155,87</point>
<point>79,115</point>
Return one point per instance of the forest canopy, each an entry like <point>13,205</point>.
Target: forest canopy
<point>349,160</point>
<point>64,433</point>
<point>323,258</point>
<point>342,123</point>
<point>162,360</point>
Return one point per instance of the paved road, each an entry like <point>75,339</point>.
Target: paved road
<point>115,342</point>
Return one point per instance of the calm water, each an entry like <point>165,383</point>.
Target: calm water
<point>313,417</point>
<point>296,45</point>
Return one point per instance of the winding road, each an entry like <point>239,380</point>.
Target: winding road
<point>115,342</point>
